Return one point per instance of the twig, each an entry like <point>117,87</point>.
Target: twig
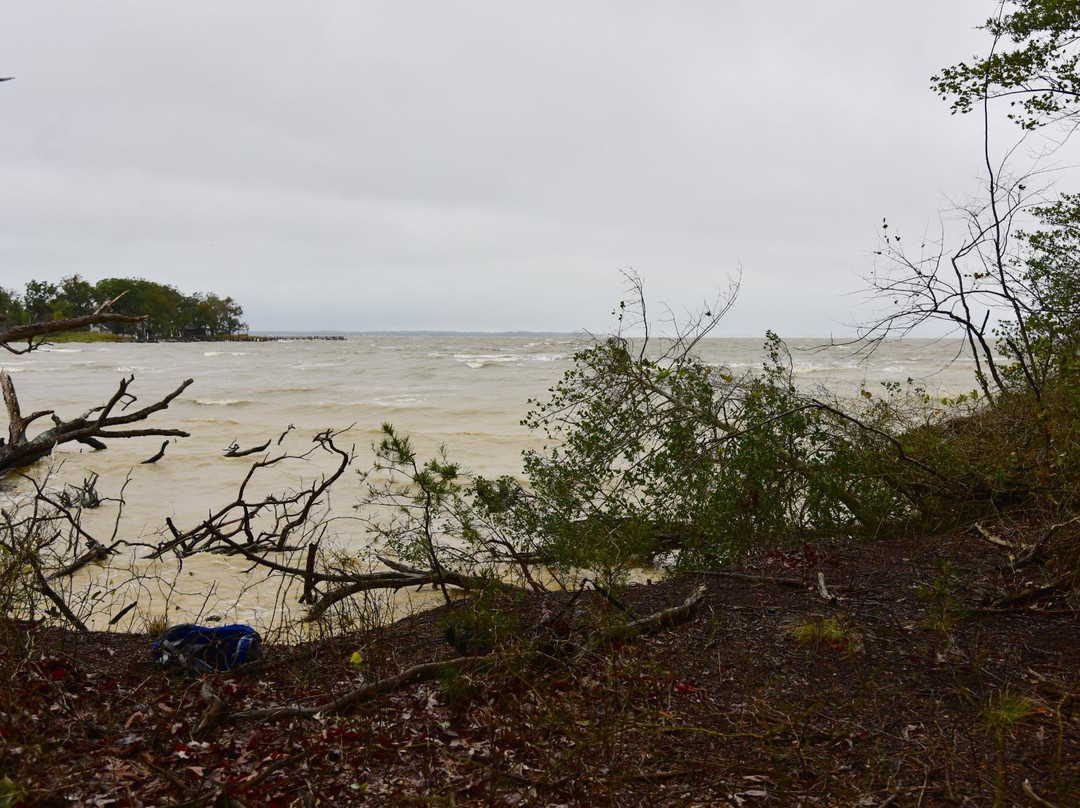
<point>659,776</point>
<point>58,601</point>
<point>278,764</point>
<point>1056,687</point>
<point>215,712</point>
<point>426,670</point>
<point>614,601</point>
<point>1064,581</point>
<point>485,760</point>
<point>429,670</point>
<point>309,578</point>
<point>1022,554</point>
<point>992,538</point>
<point>758,579</point>
<point>1034,611</point>
<point>1030,792</point>
<point>120,615</point>
<point>183,789</point>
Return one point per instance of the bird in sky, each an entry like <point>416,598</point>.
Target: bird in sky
<point>9,78</point>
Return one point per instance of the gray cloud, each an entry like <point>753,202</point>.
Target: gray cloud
<point>477,165</point>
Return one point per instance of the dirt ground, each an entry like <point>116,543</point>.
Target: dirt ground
<point>938,673</point>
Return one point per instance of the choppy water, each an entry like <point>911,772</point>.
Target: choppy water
<point>468,393</point>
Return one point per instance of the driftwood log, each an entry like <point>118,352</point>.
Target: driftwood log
<point>95,552</point>
<point>234,450</point>
<point>160,454</point>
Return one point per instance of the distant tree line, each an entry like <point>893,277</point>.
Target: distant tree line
<point>172,314</point>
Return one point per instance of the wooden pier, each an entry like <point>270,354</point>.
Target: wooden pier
<point>268,338</point>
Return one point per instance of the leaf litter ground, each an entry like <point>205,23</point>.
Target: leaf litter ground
<point>907,689</point>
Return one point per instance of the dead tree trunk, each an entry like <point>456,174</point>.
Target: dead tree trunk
<point>91,428</point>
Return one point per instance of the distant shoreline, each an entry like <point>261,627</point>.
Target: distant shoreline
<point>287,334</point>
<point>277,335</point>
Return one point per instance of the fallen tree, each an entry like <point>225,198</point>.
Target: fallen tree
<point>433,534</point>
<point>91,428</point>
<point>42,539</point>
<point>94,426</point>
<point>266,529</point>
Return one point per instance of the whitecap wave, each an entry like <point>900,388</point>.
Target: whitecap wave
<point>555,357</point>
<point>315,365</point>
<point>219,402</point>
<point>818,367</point>
<point>400,401</point>
<point>483,360</point>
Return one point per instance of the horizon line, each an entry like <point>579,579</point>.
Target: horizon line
<point>405,332</point>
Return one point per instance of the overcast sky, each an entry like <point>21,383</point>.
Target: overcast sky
<point>479,164</point>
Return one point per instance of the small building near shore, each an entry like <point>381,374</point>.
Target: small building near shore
<point>195,334</point>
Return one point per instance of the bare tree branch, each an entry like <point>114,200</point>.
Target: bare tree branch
<point>20,450</point>
<point>35,334</point>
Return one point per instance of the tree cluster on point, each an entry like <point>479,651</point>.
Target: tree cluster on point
<point>164,311</point>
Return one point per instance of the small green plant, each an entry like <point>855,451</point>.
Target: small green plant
<point>11,793</point>
<point>458,688</point>
<point>943,610</point>
<point>1002,714</point>
<point>429,513</point>
<point>1005,710</point>
<point>483,626</point>
<point>826,632</point>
